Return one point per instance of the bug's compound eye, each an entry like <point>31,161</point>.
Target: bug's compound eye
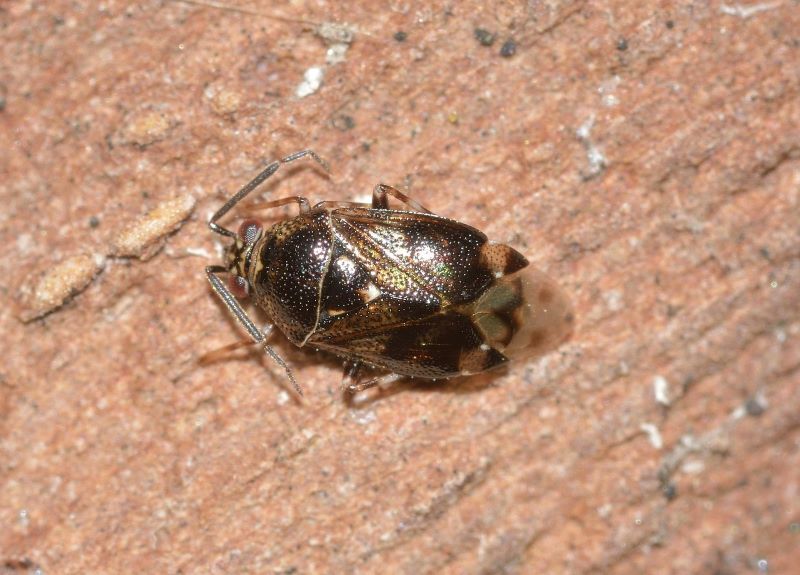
<point>249,231</point>
<point>239,286</point>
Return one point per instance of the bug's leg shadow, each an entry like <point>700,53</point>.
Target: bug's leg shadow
<point>224,352</point>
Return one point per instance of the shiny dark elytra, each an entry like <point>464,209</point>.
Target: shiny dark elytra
<point>406,291</point>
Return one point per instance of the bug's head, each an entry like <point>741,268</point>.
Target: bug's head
<point>239,254</point>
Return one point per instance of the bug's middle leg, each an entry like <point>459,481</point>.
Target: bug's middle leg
<point>302,204</point>
<point>380,198</point>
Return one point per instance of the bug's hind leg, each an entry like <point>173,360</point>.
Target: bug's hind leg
<point>352,384</point>
<point>382,381</point>
<point>380,199</point>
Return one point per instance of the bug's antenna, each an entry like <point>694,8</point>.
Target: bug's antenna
<point>238,196</point>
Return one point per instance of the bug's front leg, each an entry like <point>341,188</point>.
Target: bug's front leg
<point>244,320</point>
<point>257,181</point>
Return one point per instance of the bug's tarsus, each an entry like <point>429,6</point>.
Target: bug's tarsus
<point>303,154</point>
<point>279,360</point>
<point>350,375</point>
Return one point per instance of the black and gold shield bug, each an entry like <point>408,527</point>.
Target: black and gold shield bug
<point>401,290</point>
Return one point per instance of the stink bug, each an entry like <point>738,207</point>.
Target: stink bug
<point>406,291</point>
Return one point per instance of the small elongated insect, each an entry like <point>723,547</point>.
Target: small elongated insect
<point>407,291</point>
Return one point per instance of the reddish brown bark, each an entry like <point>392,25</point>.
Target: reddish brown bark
<point>645,154</point>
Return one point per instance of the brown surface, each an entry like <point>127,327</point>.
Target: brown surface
<point>645,154</point>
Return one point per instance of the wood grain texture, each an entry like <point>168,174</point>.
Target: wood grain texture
<point>645,154</point>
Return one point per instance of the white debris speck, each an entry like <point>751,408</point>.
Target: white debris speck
<point>613,299</point>
<point>335,33</point>
<point>597,160</point>
<point>312,80</point>
<point>607,91</point>
<point>595,157</point>
<point>546,412</point>
<point>653,435</point>
<point>345,487</point>
<point>199,252</point>
<point>661,390</point>
<point>604,511</point>
<point>747,11</point>
<point>610,100</point>
<point>739,412</point>
<point>24,243</point>
<point>585,130</point>
<point>693,467</point>
<point>364,417</point>
<point>336,53</point>
<point>283,397</point>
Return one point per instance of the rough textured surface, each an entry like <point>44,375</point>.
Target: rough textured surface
<point>646,154</point>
